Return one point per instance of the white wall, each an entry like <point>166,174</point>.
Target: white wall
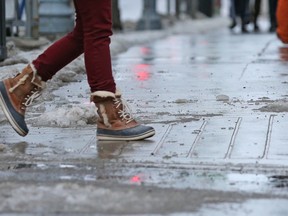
<point>132,9</point>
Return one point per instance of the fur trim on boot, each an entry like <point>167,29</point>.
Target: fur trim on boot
<point>115,121</point>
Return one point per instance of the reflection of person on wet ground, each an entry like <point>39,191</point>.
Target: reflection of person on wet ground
<point>272,14</point>
<point>239,8</point>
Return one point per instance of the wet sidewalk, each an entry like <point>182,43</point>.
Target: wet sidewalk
<point>218,103</point>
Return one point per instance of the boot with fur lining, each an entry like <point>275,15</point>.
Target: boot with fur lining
<point>17,93</point>
<point>115,121</point>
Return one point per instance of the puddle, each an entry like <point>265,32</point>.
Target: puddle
<point>248,182</point>
<point>263,207</point>
<point>281,106</point>
<point>20,147</point>
<point>279,181</point>
<point>110,149</point>
<point>67,166</point>
<point>22,166</point>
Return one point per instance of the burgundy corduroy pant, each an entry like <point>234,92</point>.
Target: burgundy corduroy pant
<point>91,36</point>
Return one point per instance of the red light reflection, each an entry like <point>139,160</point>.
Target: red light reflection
<point>138,178</point>
<point>145,50</point>
<point>135,179</point>
<point>142,71</point>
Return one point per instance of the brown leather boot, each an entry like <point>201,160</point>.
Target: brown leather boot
<point>115,121</point>
<point>17,93</point>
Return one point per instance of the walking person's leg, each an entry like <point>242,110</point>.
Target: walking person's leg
<point>114,122</point>
<point>19,92</point>
<point>91,34</point>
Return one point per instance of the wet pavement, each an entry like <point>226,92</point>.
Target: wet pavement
<point>218,104</point>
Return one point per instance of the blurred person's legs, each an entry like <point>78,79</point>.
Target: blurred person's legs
<point>272,15</point>
<point>241,8</point>
<point>244,14</point>
<point>233,15</point>
<point>256,13</point>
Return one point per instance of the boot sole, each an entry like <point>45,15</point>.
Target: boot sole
<point>9,115</point>
<point>142,136</point>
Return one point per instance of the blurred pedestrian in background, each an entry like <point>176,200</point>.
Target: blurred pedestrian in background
<point>272,14</point>
<point>256,13</point>
<point>239,9</point>
<point>272,5</point>
<point>91,36</point>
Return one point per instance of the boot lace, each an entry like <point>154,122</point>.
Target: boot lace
<point>30,98</point>
<point>20,82</point>
<point>35,93</point>
<point>123,110</point>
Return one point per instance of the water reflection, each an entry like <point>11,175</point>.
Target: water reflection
<point>147,53</point>
<point>110,149</point>
<point>20,147</point>
<point>279,181</point>
<point>283,53</point>
<point>137,179</point>
<point>142,69</point>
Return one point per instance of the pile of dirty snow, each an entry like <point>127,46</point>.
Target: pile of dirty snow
<point>66,116</point>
